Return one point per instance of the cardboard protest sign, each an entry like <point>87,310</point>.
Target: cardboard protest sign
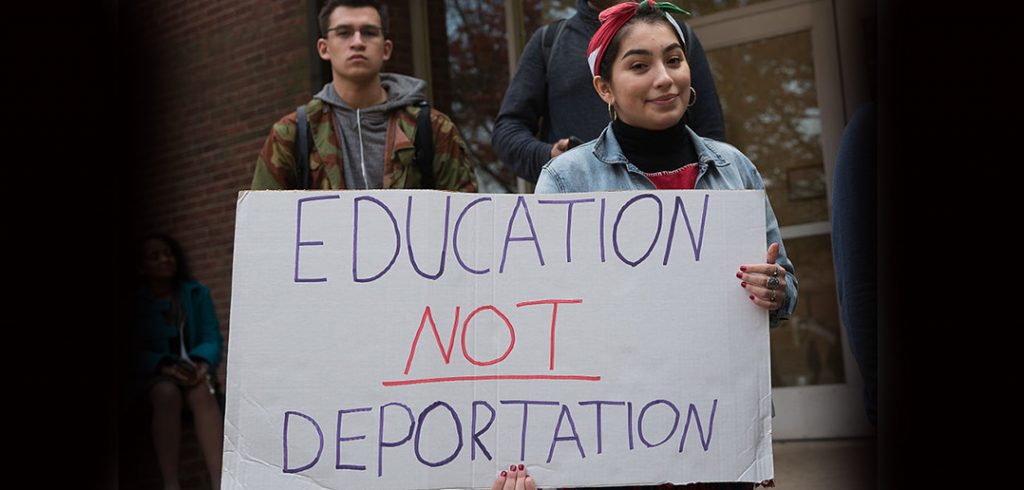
<point>422,339</point>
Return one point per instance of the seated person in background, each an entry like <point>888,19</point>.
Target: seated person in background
<point>180,350</point>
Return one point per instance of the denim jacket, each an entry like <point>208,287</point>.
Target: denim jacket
<point>600,165</point>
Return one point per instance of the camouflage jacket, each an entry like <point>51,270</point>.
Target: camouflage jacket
<point>275,167</point>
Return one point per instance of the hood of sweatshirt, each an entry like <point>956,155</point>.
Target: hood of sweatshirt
<point>363,131</point>
<point>402,91</point>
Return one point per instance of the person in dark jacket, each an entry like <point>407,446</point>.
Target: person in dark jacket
<point>853,246</point>
<point>555,98</point>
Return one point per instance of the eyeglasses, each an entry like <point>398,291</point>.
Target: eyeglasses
<point>368,33</point>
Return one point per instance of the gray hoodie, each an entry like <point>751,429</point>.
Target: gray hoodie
<point>363,131</point>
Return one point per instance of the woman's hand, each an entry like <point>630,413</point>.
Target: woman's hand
<point>515,478</point>
<point>766,283</point>
<point>560,146</point>
<point>185,375</point>
<point>202,368</point>
<point>177,372</point>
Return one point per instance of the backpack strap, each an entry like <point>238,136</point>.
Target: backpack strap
<point>303,144</point>
<point>549,38</point>
<point>424,144</point>
<point>548,42</point>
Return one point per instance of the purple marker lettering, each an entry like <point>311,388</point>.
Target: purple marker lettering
<point>640,422</point>
<point>298,237</point>
<point>355,239</point>
<point>521,202</point>
<point>455,238</point>
<point>565,414</point>
<point>568,221</point>
<point>419,427</point>
<point>615,229</point>
<point>284,437</point>
<point>629,423</point>
<point>526,408</point>
<point>477,434</point>
<point>598,404</point>
<point>601,238</point>
<point>381,444</point>
<point>697,243</point>
<point>444,244</point>
<point>337,460</point>
<point>692,413</point>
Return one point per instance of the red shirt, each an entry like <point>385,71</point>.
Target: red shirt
<point>684,177</point>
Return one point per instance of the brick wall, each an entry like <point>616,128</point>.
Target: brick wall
<point>210,78</point>
<point>227,70</point>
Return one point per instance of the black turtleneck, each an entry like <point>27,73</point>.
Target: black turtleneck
<point>587,13</point>
<point>655,150</point>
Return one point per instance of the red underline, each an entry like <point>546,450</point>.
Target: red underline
<point>491,377</point>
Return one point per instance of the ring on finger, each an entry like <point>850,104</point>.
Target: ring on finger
<point>773,283</point>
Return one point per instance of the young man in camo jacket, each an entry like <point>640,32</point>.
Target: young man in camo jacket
<point>363,123</point>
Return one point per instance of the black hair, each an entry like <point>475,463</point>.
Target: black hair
<point>647,14</point>
<point>182,272</point>
<point>325,13</point>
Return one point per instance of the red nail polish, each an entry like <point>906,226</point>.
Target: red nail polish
<point>743,268</point>
<point>743,284</point>
<point>739,275</point>
<point>504,473</point>
<point>512,467</point>
<point>751,297</point>
<point>521,467</point>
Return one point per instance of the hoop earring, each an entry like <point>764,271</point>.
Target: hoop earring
<point>693,97</point>
<point>612,115</point>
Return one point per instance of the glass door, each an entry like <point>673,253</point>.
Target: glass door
<point>777,72</point>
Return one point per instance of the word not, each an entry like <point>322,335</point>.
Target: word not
<point>446,354</point>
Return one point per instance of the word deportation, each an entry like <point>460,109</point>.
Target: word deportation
<point>363,210</point>
<point>482,417</point>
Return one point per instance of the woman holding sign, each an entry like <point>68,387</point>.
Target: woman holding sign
<point>638,60</point>
<point>180,349</point>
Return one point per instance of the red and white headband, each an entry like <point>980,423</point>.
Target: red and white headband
<point>613,18</point>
